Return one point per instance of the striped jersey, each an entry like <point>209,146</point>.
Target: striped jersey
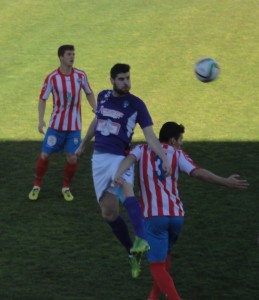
<point>66,92</point>
<point>160,196</point>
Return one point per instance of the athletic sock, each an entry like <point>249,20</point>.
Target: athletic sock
<point>168,261</point>
<point>134,212</point>
<point>155,291</point>
<point>164,280</point>
<point>120,230</point>
<point>69,173</point>
<point>41,169</point>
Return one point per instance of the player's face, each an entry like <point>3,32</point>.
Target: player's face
<point>121,84</point>
<point>68,58</point>
<point>179,142</point>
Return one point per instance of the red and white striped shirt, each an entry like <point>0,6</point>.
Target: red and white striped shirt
<point>161,198</point>
<point>66,92</point>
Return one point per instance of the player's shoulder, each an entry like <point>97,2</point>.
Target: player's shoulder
<point>134,97</point>
<point>185,155</point>
<point>140,146</point>
<point>135,102</point>
<point>52,74</point>
<point>105,93</point>
<point>138,149</point>
<point>78,71</point>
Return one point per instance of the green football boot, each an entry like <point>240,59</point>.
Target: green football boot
<point>139,246</point>
<point>135,266</point>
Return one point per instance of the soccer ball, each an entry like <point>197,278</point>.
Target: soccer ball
<point>206,69</point>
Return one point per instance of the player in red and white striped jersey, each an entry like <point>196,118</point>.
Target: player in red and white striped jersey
<point>161,197</point>
<point>161,206</point>
<point>64,131</point>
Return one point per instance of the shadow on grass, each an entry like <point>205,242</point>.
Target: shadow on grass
<point>54,250</point>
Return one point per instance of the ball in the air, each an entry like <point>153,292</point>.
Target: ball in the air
<point>207,69</point>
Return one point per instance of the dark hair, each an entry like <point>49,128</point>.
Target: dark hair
<point>119,68</point>
<point>170,130</point>
<point>62,49</point>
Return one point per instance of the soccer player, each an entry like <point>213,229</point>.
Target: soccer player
<point>64,131</point>
<point>160,202</point>
<point>118,112</point>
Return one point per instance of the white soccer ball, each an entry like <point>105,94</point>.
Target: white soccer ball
<point>207,69</point>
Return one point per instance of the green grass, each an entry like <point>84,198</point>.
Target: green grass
<point>54,250</point>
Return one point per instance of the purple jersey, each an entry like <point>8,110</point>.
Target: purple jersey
<point>116,120</point>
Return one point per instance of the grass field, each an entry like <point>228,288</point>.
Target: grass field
<point>53,250</point>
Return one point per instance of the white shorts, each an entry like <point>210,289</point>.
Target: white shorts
<point>104,167</point>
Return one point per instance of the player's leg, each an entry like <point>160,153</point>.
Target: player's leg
<point>157,236</point>
<point>41,169</point>
<point>107,198</point>
<point>102,167</point>
<point>109,205</point>
<point>72,141</point>
<point>131,204</point>
<point>133,209</point>
<point>50,145</point>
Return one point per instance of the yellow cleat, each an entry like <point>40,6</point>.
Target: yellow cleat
<point>67,194</point>
<point>34,193</point>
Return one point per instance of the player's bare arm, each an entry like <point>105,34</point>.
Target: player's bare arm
<point>124,165</point>
<point>92,101</point>
<point>89,135</point>
<point>156,147</point>
<point>232,181</point>
<point>41,109</point>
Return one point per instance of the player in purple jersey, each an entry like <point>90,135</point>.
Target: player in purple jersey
<point>118,112</point>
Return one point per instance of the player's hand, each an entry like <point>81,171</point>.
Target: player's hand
<point>40,126</point>
<point>167,168</point>
<point>118,180</point>
<point>80,150</point>
<point>233,181</point>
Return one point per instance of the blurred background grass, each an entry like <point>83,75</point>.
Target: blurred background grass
<point>161,40</point>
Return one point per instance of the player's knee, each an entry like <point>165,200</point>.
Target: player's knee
<point>71,158</point>
<point>45,156</point>
<point>109,215</point>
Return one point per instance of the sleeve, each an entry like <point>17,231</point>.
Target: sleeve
<point>186,164</point>
<point>143,119</point>
<point>46,88</point>
<point>86,86</point>
<point>137,151</point>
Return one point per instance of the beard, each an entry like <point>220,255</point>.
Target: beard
<point>120,91</point>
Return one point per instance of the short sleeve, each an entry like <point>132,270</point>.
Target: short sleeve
<point>46,89</point>
<point>137,151</point>
<point>186,164</point>
<point>86,86</point>
<point>144,119</point>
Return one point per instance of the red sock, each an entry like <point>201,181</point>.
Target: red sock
<point>41,168</point>
<point>164,280</point>
<point>155,291</point>
<point>168,261</point>
<point>69,173</point>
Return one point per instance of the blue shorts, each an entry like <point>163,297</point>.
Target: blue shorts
<point>56,141</point>
<point>161,234</point>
